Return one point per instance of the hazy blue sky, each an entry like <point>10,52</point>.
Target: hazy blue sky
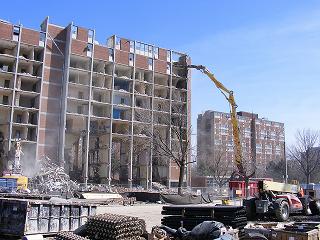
<point>268,52</point>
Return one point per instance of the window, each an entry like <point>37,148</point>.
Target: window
<point>168,68</point>
<point>42,39</point>
<point>19,118</point>
<point>131,46</point>
<point>18,134</point>
<point>6,83</point>
<point>131,59</point>
<point>150,63</point>
<point>146,50</point>
<point>118,43</point>
<point>138,47</point>
<point>79,109</point>
<point>168,56</point>
<point>110,54</point>
<point>90,36</point>
<point>156,52</point>
<point>16,33</point>
<point>150,51</point>
<point>89,50</point>
<point>80,95</point>
<point>5,99</point>
<point>74,31</point>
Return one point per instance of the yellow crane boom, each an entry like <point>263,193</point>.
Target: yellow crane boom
<point>233,112</point>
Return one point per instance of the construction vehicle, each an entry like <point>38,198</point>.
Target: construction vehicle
<point>228,94</point>
<point>276,199</point>
<point>16,172</point>
<point>279,200</point>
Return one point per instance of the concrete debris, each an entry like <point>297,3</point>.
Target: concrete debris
<point>52,178</point>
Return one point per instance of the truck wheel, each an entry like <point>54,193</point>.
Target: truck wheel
<point>282,211</point>
<point>314,207</point>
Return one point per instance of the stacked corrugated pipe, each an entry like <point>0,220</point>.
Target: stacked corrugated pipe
<point>115,227</point>
<point>69,236</point>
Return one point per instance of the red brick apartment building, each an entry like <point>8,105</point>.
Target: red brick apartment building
<point>262,140</point>
<point>79,102</point>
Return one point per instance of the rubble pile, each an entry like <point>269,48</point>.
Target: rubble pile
<point>69,236</point>
<point>52,178</point>
<point>115,227</point>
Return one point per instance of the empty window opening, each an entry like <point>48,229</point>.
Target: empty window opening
<point>90,36</point>
<point>16,33</point>
<point>80,95</point>
<point>89,50</point>
<point>79,109</point>
<point>18,134</point>
<point>156,52</point>
<point>131,59</point>
<point>168,56</point>
<point>6,83</point>
<point>150,63</point>
<point>5,99</point>
<point>74,30</point>
<point>118,43</point>
<point>111,58</point>
<point>131,46</point>
<point>19,118</point>
<point>42,39</point>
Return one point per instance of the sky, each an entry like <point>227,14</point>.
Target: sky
<point>267,52</point>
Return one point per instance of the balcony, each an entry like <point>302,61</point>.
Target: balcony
<point>144,76</point>
<point>80,63</point>
<point>79,77</point>
<point>31,54</point>
<point>8,49</point>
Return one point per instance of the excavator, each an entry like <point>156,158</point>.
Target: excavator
<point>228,94</point>
<point>274,199</point>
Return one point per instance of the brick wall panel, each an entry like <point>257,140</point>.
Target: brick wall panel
<point>160,66</point>
<point>49,90</point>
<point>29,36</point>
<point>125,45</point>
<point>78,47</point>
<point>101,52</point>
<point>51,75</point>
<point>50,106</point>
<point>57,32</point>
<point>141,62</point>
<point>122,57</point>
<point>6,31</point>
<point>51,47</point>
<point>162,54</point>
<point>82,34</point>
<point>49,121</point>
<point>54,61</point>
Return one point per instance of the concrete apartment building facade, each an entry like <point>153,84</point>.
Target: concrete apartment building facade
<point>262,140</point>
<point>89,106</point>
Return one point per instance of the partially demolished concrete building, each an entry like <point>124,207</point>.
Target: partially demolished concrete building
<point>90,107</point>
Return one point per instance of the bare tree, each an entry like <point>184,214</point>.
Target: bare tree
<point>218,167</point>
<point>180,149</point>
<point>277,170</point>
<point>306,152</point>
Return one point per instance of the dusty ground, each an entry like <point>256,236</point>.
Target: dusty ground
<point>151,213</point>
